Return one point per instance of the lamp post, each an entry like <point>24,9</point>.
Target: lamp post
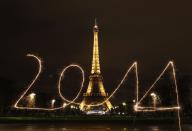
<point>72,107</point>
<point>64,105</point>
<point>124,104</point>
<point>31,100</point>
<point>124,109</point>
<point>154,98</point>
<point>53,103</point>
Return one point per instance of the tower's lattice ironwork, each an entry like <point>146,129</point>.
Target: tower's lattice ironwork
<point>95,92</point>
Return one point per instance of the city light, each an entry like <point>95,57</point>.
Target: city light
<point>53,103</point>
<point>124,104</point>
<point>64,105</point>
<point>31,100</point>
<point>32,95</point>
<point>72,106</point>
<point>154,98</point>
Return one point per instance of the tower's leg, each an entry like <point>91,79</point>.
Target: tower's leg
<point>109,105</point>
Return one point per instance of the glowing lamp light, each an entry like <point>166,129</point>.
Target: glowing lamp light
<point>31,100</point>
<point>153,94</point>
<point>53,103</point>
<point>72,107</point>
<point>116,107</point>
<point>124,104</point>
<point>32,95</point>
<point>64,104</point>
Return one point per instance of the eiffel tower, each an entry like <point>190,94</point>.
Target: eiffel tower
<point>95,92</point>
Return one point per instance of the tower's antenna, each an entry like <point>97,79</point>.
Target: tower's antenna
<point>96,26</point>
<point>95,21</point>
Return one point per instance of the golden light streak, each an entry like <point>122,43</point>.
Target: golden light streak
<point>138,108</point>
<point>134,65</point>
<point>151,109</point>
<point>33,81</point>
<point>81,87</point>
<point>60,78</point>
<point>158,78</point>
<point>176,90</point>
<point>30,85</point>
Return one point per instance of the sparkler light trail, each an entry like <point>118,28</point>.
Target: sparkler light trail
<point>59,89</point>
<point>134,65</point>
<point>137,107</point>
<point>177,108</point>
<point>33,81</point>
<point>81,87</point>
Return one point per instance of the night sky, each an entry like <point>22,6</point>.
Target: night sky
<point>60,32</point>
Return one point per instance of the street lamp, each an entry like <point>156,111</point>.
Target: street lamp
<point>31,100</point>
<point>52,103</point>
<point>72,107</point>
<point>64,105</point>
<point>124,104</point>
<point>154,98</point>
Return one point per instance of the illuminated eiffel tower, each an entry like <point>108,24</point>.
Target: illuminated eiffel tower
<point>95,92</point>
